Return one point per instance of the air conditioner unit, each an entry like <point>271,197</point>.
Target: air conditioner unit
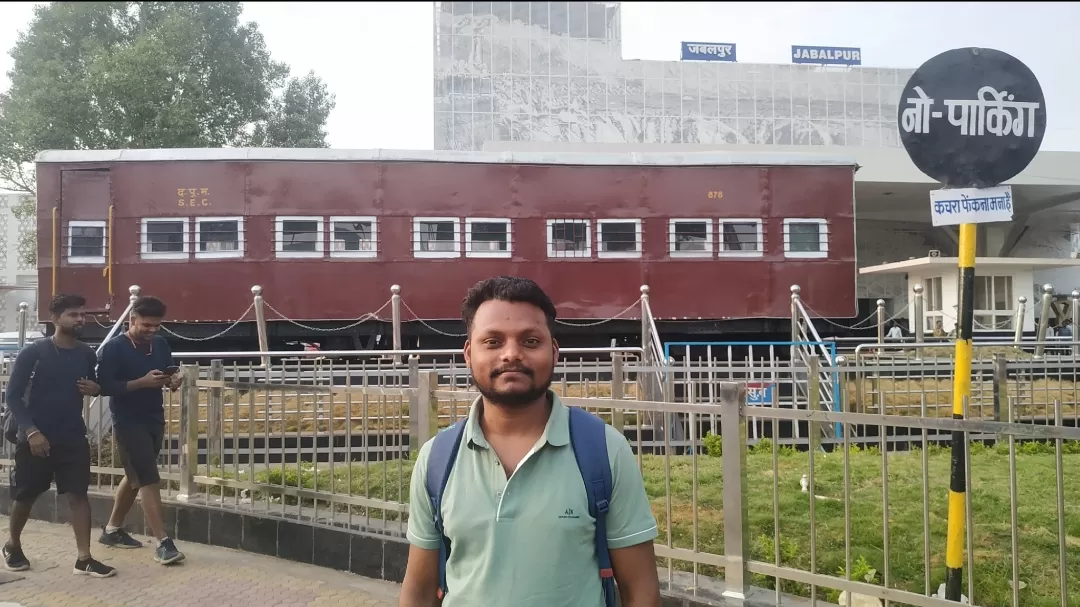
<point>1074,255</point>
<point>935,253</point>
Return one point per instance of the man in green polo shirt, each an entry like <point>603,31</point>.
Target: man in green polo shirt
<point>515,506</point>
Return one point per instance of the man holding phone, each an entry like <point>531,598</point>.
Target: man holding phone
<point>133,369</point>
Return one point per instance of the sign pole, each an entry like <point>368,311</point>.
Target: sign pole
<point>974,119</point>
<point>965,321</point>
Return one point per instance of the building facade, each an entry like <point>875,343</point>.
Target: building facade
<point>18,274</point>
<point>554,72</point>
<point>518,75</point>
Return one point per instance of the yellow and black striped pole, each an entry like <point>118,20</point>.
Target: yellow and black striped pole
<point>954,547</point>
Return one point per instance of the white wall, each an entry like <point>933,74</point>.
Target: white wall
<point>950,295</point>
<point>18,282</point>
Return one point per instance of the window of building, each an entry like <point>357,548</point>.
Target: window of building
<point>741,238</point>
<point>690,238</point>
<point>933,307</point>
<point>86,242</point>
<point>219,237</point>
<point>353,237</point>
<point>569,238</point>
<point>165,238</point>
<point>619,237</point>
<point>436,237</point>
<point>299,236</point>
<point>994,309</point>
<point>487,237</point>
<point>806,238</point>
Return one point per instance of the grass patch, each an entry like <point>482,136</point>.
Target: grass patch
<point>1037,513</point>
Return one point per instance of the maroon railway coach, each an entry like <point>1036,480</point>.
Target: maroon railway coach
<point>718,237</point>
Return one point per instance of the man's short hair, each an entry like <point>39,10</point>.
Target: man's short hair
<point>506,288</point>
<point>149,307</point>
<point>62,303</point>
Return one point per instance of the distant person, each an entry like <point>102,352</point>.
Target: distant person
<point>1066,329</point>
<point>895,332</point>
<point>515,510</point>
<point>135,366</point>
<point>45,394</point>
<point>939,329</point>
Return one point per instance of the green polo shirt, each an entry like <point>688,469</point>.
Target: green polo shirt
<point>527,540</point>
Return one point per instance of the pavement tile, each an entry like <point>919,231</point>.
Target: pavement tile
<point>209,577</point>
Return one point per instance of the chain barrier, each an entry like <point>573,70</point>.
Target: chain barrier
<point>636,304</point>
<point>366,317</point>
<point>856,326</point>
<point>417,318</point>
<point>229,328</point>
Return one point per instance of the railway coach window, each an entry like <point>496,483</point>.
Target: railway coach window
<point>806,238</point>
<point>569,238</point>
<point>219,237</point>
<point>165,238</point>
<point>353,237</point>
<point>86,242</point>
<point>741,238</point>
<point>619,237</point>
<point>690,238</point>
<point>487,237</point>
<point>299,236</point>
<point>436,237</point>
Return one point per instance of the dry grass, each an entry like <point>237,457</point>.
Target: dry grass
<point>259,412</point>
<point>901,396</point>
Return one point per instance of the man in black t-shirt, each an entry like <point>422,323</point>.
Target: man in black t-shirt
<point>134,368</point>
<point>45,394</point>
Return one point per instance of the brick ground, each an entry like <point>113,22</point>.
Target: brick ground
<point>210,576</point>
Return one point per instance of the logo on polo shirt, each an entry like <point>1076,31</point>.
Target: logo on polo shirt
<point>568,513</point>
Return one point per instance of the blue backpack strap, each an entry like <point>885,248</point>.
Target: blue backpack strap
<point>441,458</point>
<point>588,437</point>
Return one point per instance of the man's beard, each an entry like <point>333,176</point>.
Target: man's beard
<point>513,399</point>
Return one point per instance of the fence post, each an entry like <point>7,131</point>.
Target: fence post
<point>795,290</point>
<point>1001,389</point>
<point>427,413</point>
<point>1044,321</point>
<point>414,403</point>
<point>918,326</point>
<point>736,511</point>
<point>189,433</point>
<point>22,323</point>
<point>260,325</point>
<point>395,315</point>
<point>214,448</point>
<point>617,417</point>
<point>1018,334</point>
<point>881,321</point>
<point>1074,317</point>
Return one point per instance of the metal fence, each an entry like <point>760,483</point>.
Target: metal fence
<point>744,494</point>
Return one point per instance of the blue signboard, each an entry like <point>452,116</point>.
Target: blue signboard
<point>708,51</point>
<point>826,55</point>
<point>759,393</point>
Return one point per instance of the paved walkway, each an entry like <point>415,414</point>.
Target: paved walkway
<point>210,576</point>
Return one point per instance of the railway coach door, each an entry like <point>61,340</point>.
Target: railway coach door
<point>82,238</point>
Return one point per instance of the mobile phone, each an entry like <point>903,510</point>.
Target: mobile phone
<point>171,370</point>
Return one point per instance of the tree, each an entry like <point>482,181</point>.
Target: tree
<point>123,75</point>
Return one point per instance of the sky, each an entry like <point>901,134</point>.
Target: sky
<point>377,57</point>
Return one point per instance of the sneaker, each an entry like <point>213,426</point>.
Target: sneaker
<point>167,553</point>
<point>93,568</point>
<point>14,559</point>
<point>118,539</point>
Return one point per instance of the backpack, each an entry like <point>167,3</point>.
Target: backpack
<point>8,423</point>
<point>589,441</point>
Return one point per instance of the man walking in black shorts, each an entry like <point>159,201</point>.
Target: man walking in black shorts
<point>134,368</point>
<point>48,382</point>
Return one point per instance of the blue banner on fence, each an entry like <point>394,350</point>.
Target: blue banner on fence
<point>826,55</point>
<point>708,51</point>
